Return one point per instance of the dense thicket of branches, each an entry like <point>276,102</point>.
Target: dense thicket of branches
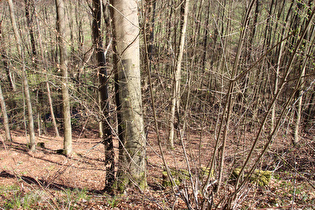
<point>247,68</point>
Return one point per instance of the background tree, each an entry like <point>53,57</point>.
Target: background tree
<point>5,117</point>
<point>2,101</point>
<point>24,78</point>
<point>177,76</point>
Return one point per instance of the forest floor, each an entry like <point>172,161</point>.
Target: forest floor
<point>48,180</point>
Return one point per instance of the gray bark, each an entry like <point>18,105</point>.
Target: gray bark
<point>132,140</point>
<point>5,117</point>
<point>51,108</point>
<point>177,77</point>
<point>64,70</point>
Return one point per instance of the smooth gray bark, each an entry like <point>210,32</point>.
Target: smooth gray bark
<point>61,28</point>
<point>132,140</point>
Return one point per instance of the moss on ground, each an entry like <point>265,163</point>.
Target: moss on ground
<point>261,177</point>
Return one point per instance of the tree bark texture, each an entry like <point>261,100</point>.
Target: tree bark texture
<point>103,92</point>
<point>61,27</point>
<point>132,140</point>
<point>177,77</point>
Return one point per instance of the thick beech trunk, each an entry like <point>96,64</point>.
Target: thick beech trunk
<point>132,140</point>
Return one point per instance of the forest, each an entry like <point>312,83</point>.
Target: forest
<point>146,104</point>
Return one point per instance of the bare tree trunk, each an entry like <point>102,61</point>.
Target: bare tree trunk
<point>64,69</point>
<point>307,51</point>
<point>29,4</point>
<point>177,78</point>
<point>24,77</point>
<point>5,117</point>
<point>5,60</point>
<point>299,111</point>
<point>103,93</point>
<point>2,102</point>
<point>51,108</point>
<point>132,139</point>
<point>29,14</point>
<point>310,109</point>
<point>277,74</point>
